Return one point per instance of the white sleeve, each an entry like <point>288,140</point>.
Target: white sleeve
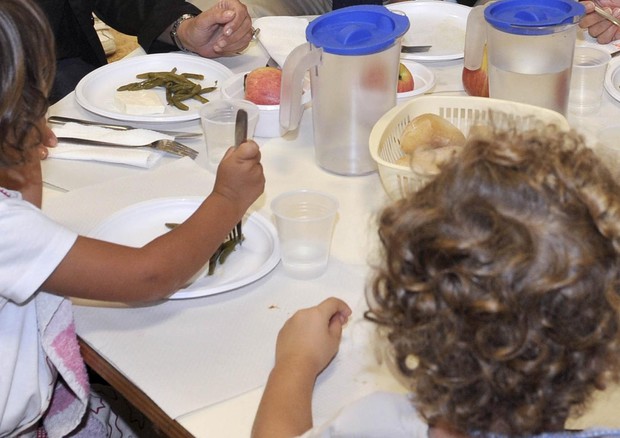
<point>378,415</point>
<point>31,247</point>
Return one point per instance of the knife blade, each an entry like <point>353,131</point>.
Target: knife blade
<point>61,120</point>
<point>414,49</point>
<point>241,127</point>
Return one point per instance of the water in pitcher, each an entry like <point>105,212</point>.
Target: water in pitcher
<point>548,90</point>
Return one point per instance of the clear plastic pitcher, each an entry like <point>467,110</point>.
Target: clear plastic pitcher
<point>530,46</point>
<point>353,56</point>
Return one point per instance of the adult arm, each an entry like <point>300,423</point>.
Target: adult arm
<point>306,344</point>
<point>223,29</point>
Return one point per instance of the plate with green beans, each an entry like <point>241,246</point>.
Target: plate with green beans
<point>182,82</point>
<point>251,259</point>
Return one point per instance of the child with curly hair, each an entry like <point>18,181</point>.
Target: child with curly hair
<point>43,381</point>
<point>498,292</point>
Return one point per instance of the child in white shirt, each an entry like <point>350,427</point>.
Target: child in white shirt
<point>42,374</point>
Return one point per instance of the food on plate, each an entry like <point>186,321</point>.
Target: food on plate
<point>476,82</point>
<point>179,86</point>
<point>429,140</point>
<point>262,86</point>
<point>139,102</point>
<point>405,79</point>
<point>221,253</point>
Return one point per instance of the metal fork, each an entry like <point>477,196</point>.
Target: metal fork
<point>234,238</point>
<point>170,146</point>
<point>603,13</point>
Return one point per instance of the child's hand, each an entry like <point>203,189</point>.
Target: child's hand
<point>240,175</point>
<point>310,338</point>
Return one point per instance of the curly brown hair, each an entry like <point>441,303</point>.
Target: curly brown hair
<point>27,68</point>
<point>501,277</point>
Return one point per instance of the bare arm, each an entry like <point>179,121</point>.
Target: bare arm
<point>306,344</point>
<point>95,269</point>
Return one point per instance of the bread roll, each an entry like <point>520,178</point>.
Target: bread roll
<point>430,131</point>
<point>427,160</point>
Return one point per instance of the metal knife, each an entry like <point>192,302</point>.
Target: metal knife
<point>60,120</point>
<point>414,49</point>
<point>241,135</point>
<point>241,127</point>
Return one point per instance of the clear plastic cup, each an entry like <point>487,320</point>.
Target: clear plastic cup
<point>587,79</point>
<point>217,119</point>
<point>305,222</point>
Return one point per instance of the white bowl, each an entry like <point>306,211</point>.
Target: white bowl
<point>423,81</point>
<point>268,124</point>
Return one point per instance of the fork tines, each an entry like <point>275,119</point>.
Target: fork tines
<point>176,148</point>
<point>236,234</point>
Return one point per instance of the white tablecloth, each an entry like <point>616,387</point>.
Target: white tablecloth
<point>204,360</point>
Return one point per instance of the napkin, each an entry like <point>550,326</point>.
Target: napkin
<point>280,35</point>
<point>133,157</point>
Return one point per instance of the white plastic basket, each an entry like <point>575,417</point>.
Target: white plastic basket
<point>462,111</point>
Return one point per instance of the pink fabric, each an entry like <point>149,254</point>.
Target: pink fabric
<point>59,342</point>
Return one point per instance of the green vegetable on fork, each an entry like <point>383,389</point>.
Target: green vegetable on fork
<point>178,87</point>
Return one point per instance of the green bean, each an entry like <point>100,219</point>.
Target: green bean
<point>178,87</point>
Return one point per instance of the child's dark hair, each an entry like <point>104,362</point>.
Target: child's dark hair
<point>501,277</point>
<point>27,67</point>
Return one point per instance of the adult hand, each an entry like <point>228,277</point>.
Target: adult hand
<point>223,30</point>
<point>599,27</point>
<point>240,175</point>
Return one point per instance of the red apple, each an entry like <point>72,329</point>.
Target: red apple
<point>405,79</point>
<point>476,82</point>
<point>262,86</point>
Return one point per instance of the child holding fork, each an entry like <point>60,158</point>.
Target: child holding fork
<point>498,293</point>
<point>43,381</point>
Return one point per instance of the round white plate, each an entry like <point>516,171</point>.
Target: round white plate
<point>96,91</point>
<point>612,78</point>
<point>423,80</point>
<point>140,223</point>
<point>436,23</point>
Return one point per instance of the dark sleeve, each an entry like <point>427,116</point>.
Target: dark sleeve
<point>145,19</point>
<point>466,2</point>
<point>337,4</point>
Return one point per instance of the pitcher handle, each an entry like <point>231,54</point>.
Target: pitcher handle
<point>301,59</point>
<point>475,38</point>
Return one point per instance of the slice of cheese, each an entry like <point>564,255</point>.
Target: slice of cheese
<point>139,102</point>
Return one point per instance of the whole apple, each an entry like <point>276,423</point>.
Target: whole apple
<point>405,79</point>
<point>476,82</point>
<point>262,86</point>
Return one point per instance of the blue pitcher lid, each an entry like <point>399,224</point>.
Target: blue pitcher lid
<point>533,17</point>
<point>357,30</point>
